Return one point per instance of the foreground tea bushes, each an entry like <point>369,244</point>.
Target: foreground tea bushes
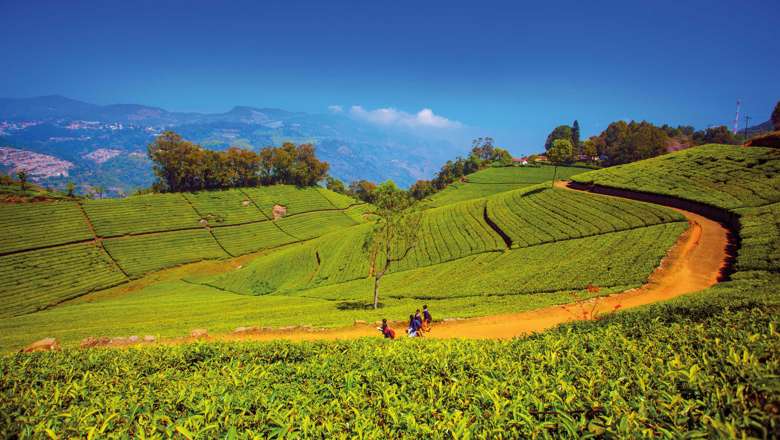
<point>704,365</point>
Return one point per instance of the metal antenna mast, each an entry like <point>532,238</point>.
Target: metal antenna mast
<point>736,118</point>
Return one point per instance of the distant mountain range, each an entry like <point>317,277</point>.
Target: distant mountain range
<point>106,144</point>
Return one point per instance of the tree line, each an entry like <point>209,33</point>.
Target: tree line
<point>181,165</point>
<point>483,153</point>
<point>623,142</point>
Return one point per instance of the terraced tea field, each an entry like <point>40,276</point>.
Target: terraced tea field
<point>36,225</point>
<point>37,279</point>
<point>147,233</point>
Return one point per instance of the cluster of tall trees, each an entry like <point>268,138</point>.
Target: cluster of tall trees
<point>623,142</point>
<point>181,165</point>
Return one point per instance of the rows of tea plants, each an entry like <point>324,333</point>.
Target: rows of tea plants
<point>227,207</point>
<point>725,176</point>
<point>451,232</point>
<point>760,236</point>
<point>244,239</point>
<point>462,191</point>
<point>313,224</point>
<point>341,201</point>
<point>138,214</point>
<point>34,280</point>
<point>36,225</point>
<point>522,174</point>
<point>138,255</point>
<point>699,366</point>
<point>343,256</point>
<point>296,200</point>
<point>539,215</point>
<point>286,269</point>
<point>361,213</point>
<point>623,258</point>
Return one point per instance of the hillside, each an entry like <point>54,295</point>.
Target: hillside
<point>511,251</point>
<point>56,251</point>
<point>700,365</point>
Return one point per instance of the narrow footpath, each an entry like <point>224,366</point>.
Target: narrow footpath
<point>694,263</point>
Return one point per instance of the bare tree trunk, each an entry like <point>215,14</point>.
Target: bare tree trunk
<point>376,291</point>
<point>555,174</point>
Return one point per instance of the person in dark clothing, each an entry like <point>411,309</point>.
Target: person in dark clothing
<point>386,330</point>
<point>414,327</point>
<point>427,319</point>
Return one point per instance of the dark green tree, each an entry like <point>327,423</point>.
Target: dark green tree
<point>560,132</point>
<point>575,136</point>
<point>335,185</point>
<point>70,187</point>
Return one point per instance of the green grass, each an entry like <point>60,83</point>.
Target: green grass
<point>139,214</point>
<point>699,366</point>
<point>34,280</point>
<point>138,255</point>
<point>41,224</point>
<point>228,207</point>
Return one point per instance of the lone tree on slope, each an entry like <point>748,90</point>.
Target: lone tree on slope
<point>561,152</point>
<point>395,233</point>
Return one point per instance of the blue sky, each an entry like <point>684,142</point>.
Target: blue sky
<point>513,70</point>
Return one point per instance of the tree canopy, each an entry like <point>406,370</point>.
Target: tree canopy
<point>181,165</point>
<point>559,132</point>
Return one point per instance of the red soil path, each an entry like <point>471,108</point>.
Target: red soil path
<point>694,263</point>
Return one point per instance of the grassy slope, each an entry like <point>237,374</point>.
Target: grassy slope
<point>702,365</point>
<point>488,280</point>
<point>491,181</point>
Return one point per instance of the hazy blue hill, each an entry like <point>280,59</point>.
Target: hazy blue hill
<point>355,149</point>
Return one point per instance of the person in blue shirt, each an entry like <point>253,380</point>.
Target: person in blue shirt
<point>427,319</point>
<point>414,327</point>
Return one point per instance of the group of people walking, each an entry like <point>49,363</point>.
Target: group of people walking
<point>419,324</point>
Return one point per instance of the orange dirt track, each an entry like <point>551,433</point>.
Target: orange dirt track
<point>694,263</point>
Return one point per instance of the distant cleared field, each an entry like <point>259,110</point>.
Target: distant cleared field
<point>495,180</point>
<point>33,280</point>
<point>139,214</point>
<point>147,253</point>
<point>36,225</point>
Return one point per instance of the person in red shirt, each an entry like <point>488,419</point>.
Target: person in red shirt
<point>386,330</point>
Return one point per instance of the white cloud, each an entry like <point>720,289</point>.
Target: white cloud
<point>425,118</point>
<point>335,108</point>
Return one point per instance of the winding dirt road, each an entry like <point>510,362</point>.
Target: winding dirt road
<point>694,263</point>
